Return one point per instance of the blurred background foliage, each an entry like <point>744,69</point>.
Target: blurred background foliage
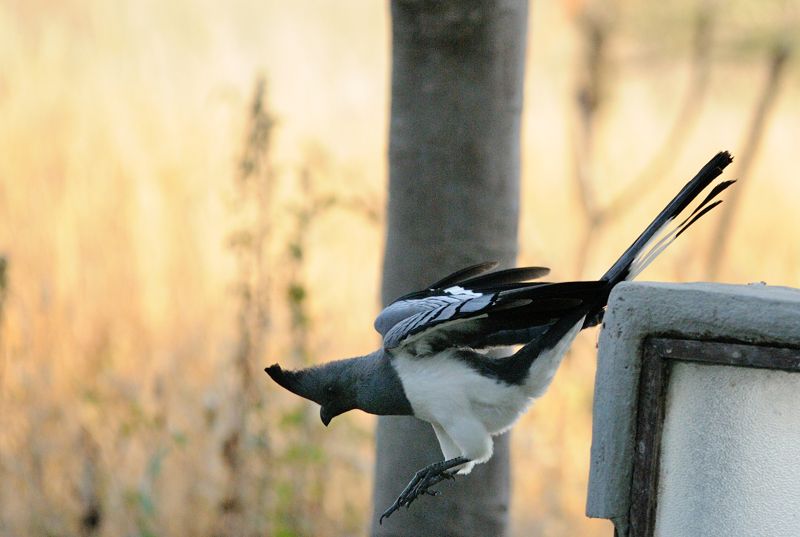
<point>190,191</point>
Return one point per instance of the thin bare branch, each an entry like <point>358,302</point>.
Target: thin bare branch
<point>589,97</point>
<point>684,122</point>
<point>778,59</point>
<point>658,166</point>
<point>250,244</point>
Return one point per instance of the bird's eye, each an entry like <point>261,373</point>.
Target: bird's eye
<point>330,390</point>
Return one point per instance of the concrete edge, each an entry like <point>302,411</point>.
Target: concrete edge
<point>753,313</point>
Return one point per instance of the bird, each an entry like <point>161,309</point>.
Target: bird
<point>434,364</point>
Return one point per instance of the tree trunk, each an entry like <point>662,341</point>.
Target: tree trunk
<point>457,78</point>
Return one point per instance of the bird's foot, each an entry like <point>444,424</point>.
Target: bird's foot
<point>422,481</point>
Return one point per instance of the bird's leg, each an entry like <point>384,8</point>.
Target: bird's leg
<point>422,481</point>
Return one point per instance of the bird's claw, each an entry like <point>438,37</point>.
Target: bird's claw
<point>392,508</point>
<point>419,486</point>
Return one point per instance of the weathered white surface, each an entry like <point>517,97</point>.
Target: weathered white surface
<point>730,452</point>
<point>751,313</point>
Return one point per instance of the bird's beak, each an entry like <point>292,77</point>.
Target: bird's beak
<point>324,416</point>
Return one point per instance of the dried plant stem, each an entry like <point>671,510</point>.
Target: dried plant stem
<point>685,120</point>
<point>250,244</point>
<point>588,101</point>
<point>3,294</point>
<point>88,486</point>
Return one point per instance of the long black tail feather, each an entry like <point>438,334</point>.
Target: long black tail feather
<point>631,262</point>
<point>621,269</point>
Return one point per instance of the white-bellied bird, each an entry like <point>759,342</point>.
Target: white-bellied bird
<point>433,362</point>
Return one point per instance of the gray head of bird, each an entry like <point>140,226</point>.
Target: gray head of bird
<point>368,383</point>
<point>329,385</point>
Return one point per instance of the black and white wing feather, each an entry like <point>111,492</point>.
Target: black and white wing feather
<point>480,311</point>
<point>464,294</point>
<point>409,317</point>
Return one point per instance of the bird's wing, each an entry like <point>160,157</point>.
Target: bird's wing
<point>499,308</point>
<point>473,278</point>
<point>454,289</point>
<point>412,316</point>
<point>463,274</point>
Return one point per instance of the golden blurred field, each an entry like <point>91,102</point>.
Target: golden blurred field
<point>144,264</point>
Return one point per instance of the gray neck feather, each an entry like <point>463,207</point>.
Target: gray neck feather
<point>379,388</point>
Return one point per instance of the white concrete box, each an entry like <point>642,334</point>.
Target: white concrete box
<point>696,426</point>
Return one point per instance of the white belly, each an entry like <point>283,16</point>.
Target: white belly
<point>442,387</point>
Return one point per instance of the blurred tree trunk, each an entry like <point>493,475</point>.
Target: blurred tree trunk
<point>457,79</point>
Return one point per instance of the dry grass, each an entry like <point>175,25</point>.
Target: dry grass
<point>121,128</point>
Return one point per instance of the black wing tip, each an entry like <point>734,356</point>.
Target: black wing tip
<point>559,289</point>
<point>533,273</point>
<point>464,274</point>
<point>504,277</point>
